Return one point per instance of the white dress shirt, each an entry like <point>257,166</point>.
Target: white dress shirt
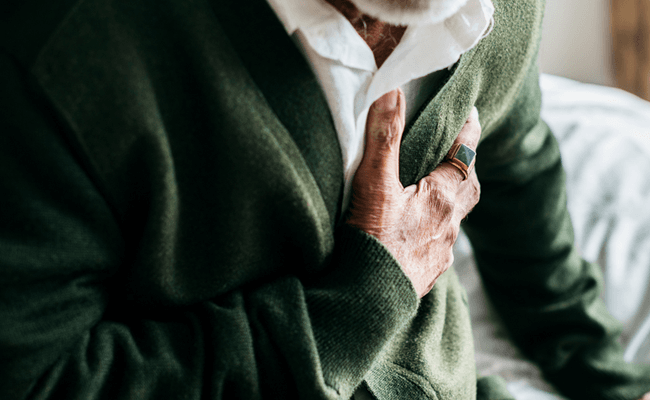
<point>346,70</point>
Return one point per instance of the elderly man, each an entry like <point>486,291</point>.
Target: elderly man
<point>187,210</point>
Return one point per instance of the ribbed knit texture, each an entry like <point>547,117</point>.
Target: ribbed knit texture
<point>170,195</point>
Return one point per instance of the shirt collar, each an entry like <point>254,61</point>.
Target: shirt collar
<point>332,36</point>
<point>426,48</point>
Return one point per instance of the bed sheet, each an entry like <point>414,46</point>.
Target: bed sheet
<point>604,137</point>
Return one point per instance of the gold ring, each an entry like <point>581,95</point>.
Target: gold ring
<point>461,157</point>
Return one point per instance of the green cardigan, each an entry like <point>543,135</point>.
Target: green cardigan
<point>170,196</point>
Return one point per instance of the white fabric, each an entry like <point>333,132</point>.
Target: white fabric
<point>415,11</point>
<point>604,137</point>
<point>346,68</point>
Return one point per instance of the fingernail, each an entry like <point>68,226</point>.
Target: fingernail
<point>474,113</point>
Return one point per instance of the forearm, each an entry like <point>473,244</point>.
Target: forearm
<point>280,340</point>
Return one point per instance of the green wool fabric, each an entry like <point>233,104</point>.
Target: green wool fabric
<point>170,198</point>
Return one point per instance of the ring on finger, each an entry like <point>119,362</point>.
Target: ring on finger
<point>462,157</point>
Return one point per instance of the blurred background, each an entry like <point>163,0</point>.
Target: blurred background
<point>604,137</point>
<point>606,42</point>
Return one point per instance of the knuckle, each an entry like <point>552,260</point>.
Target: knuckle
<point>452,235</point>
<point>387,128</point>
<point>382,134</point>
<point>446,176</point>
<point>438,182</point>
<point>424,186</point>
<point>443,201</point>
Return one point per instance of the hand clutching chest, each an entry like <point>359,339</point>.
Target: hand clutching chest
<point>418,224</point>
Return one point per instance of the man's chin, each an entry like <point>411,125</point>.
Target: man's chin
<point>409,12</point>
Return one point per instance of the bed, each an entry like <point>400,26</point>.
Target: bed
<point>604,136</point>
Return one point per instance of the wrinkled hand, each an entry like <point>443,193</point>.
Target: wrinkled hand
<point>420,223</point>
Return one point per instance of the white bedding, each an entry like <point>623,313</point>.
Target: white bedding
<point>604,136</point>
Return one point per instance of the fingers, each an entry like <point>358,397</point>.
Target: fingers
<point>471,132</point>
<point>469,135</point>
<point>448,183</point>
<point>384,129</point>
<point>467,197</point>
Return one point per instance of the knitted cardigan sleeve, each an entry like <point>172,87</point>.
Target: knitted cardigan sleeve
<point>546,293</point>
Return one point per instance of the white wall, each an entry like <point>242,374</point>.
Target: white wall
<point>576,41</point>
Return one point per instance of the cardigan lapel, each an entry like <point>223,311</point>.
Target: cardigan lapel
<point>285,79</point>
<point>292,91</point>
<point>431,134</point>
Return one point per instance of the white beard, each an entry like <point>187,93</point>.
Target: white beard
<point>407,12</point>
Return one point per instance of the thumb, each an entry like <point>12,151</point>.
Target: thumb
<point>384,129</point>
